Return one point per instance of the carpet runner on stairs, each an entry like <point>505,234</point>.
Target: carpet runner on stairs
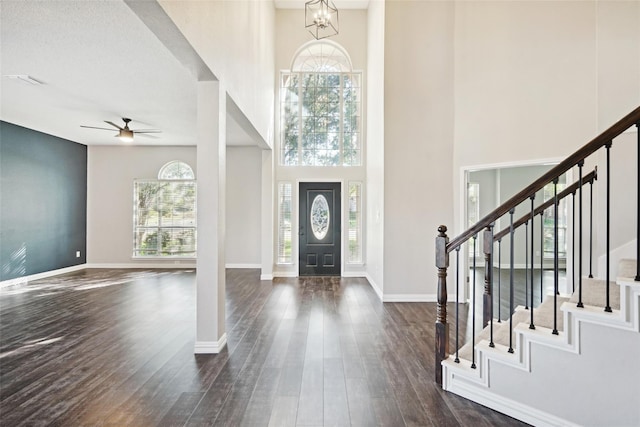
<point>593,294</point>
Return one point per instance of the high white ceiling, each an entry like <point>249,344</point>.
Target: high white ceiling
<point>97,61</point>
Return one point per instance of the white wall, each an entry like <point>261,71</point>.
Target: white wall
<point>375,146</point>
<point>525,79</point>
<point>418,136</point>
<point>111,171</point>
<point>244,201</point>
<point>236,40</point>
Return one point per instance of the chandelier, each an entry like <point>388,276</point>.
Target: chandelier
<point>321,18</point>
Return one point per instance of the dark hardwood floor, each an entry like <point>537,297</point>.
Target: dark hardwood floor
<point>115,348</point>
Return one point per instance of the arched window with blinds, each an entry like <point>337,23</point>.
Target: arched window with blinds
<point>164,220</point>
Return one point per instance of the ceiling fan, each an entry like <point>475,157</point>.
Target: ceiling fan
<point>124,133</point>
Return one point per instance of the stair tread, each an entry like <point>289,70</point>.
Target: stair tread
<point>627,268</point>
<point>542,316</point>
<point>594,293</point>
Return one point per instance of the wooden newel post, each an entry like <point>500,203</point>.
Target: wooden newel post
<point>442,327</point>
<point>487,297</point>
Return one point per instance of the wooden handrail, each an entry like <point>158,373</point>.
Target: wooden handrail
<point>590,177</point>
<point>574,159</point>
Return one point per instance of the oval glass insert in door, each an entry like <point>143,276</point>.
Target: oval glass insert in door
<point>320,217</point>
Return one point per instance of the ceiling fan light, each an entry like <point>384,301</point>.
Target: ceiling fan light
<point>125,135</point>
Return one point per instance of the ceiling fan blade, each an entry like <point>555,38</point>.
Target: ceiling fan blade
<point>144,135</point>
<point>147,131</point>
<point>113,124</point>
<point>93,127</point>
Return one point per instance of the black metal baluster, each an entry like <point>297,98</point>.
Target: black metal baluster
<point>580,165</point>
<point>531,326</point>
<point>489,237</point>
<point>608,250</point>
<point>473,308</point>
<point>499,279</point>
<point>541,255</point>
<point>591,229</point>
<point>457,359</point>
<point>526,267</point>
<point>637,279</point>
<point>511,245</point>
<point>555,256</point>
<point>573,241</point>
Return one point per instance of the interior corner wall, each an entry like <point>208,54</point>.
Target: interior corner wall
<point>43,207</point>
<point>418,143</point>
<point>236,39</point>
<point>111,171</point>
<point>243,204</point>
<point>375,146</point>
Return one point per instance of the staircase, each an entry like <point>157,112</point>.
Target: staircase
<point>574,359</point>
<point>588,374</point>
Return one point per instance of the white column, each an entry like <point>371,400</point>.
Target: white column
<point>210,275</point>
<point>267,216</point>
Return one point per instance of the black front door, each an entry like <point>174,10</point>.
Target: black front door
<point>319,229</point>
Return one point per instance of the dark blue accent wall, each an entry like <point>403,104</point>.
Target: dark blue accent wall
<point>43,202</point>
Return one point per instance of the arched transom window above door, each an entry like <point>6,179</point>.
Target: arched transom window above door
<point>321,108</point>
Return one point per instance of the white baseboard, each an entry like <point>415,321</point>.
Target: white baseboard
<point>266,277</point>
<point>132,265</point>
<point>506,406</point>
<point>354,274</point>
<point>44,274</point>
<point>210,347</point>
<point>374,285</point>
<point>285,274</point>
<point>243,266</point>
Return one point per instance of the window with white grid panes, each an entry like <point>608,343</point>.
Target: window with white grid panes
<point>320,119</point>
<point>354,254</point>
<point>284,223</point>
<point>164,218</point>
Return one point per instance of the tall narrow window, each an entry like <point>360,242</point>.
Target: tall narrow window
<point>321,109</point>
<point>164,219</point>
<point>355,223</point>
<point>284,223</point>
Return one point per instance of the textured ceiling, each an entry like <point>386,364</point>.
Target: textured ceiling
<point>97,61</point>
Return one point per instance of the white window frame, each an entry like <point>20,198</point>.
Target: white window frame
<point>358,131</point>
<point>281,256</point>
<point>160,227</point>
<point>357,228</point>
